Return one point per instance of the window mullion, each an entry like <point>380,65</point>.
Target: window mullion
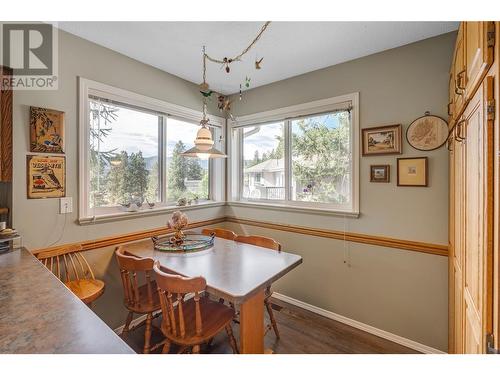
<point>288,160</point>
<point>241,163</point>
<point>163,159</point>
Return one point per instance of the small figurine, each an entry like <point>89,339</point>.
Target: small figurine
<point>224,103</point>
<point>178,222</point>
<point>207,94</point>
<point>226,63</point>
<point>257,63</point>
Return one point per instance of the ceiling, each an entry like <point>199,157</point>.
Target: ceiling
<point>288,48</point>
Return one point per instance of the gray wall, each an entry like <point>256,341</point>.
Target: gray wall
<point>38,220</point>
<point>398,291</point>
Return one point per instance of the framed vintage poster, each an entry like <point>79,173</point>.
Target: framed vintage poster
<point>46,130</point>
<point>412,171</point>
<point>427,133</point>
<point>46,176</point>
<point>380,173</point>
<point>382,140</point>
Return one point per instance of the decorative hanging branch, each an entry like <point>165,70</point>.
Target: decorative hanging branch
<point>226,61</point>
<point>224,104</point>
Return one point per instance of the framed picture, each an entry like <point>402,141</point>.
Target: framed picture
<point>412,171</point>
<point>46,130</point>
<point>46,176</point>
<point>427,133</point>
<point>382,140</point>
<point>380,173</point>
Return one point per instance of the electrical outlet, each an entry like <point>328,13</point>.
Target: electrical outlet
<point>65,205</point>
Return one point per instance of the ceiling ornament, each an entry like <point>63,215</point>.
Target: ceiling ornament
<point>204,144</point>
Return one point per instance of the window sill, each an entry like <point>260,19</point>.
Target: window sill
<point>123,215</point>
<point>301,209</point>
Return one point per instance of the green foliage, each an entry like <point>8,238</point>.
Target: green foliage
<point>153,190</point>
<point>321,158</point>
<point>194,169</point>
<point>136,177</point>
<point>177,172</point>
<point>181,169</point>
<point>204,186</point>
<point>116,188</point>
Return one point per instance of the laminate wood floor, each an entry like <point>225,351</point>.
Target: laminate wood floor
<point>302,332</point>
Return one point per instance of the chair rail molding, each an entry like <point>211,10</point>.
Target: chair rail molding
<point>395,243</point>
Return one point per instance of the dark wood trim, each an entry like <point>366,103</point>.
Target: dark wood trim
<point>5,127</point>
<point>395,243</point>
<point>129,237</point>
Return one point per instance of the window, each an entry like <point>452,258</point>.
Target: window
<point>321,158</point>
<point>130,156</point>
<point>187,177</point>
<point>263,161</point>
<point>124,155</point>
<point>303,156</point>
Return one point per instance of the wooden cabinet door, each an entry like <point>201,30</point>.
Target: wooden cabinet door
<point>451,246</point>
<point>476,236</point>
<point>479,42</point>
<point>459,73</point>
<point>458,238</point>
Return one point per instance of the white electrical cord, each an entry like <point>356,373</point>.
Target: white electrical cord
<point>63,228</point>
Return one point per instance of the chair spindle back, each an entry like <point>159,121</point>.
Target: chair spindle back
<point>131,268</point>
<point>172,289</point>
<point>67,263</point>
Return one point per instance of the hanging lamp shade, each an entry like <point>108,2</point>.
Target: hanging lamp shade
<point>203,145</point>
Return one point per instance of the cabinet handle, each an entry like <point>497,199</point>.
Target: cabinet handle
<point>458,131</point>
<point>460,76</point>
<point>449,111</point>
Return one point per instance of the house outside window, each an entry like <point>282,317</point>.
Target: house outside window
<point>303,156</point>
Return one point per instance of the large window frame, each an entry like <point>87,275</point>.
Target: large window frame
<point>287,115</point>
<point>89,88</point>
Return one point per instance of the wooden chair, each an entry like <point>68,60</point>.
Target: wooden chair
<point>192,322</point>
<point>221,233</point>
<point>71,267</point>
<point>138,299</point>
<point>272,244</point>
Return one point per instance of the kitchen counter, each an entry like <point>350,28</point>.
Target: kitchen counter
<point>38,314</point>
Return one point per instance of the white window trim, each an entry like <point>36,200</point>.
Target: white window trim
<point>88,87</point>
<point>233,186</point>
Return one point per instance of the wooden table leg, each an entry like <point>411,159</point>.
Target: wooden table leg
<point>252,325</point>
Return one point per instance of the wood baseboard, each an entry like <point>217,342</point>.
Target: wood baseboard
<point>359,325</point>
<point>396,243</point>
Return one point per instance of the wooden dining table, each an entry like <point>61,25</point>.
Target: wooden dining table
<point>237,272</point>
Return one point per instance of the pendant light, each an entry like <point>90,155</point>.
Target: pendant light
<point>203,144</point>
